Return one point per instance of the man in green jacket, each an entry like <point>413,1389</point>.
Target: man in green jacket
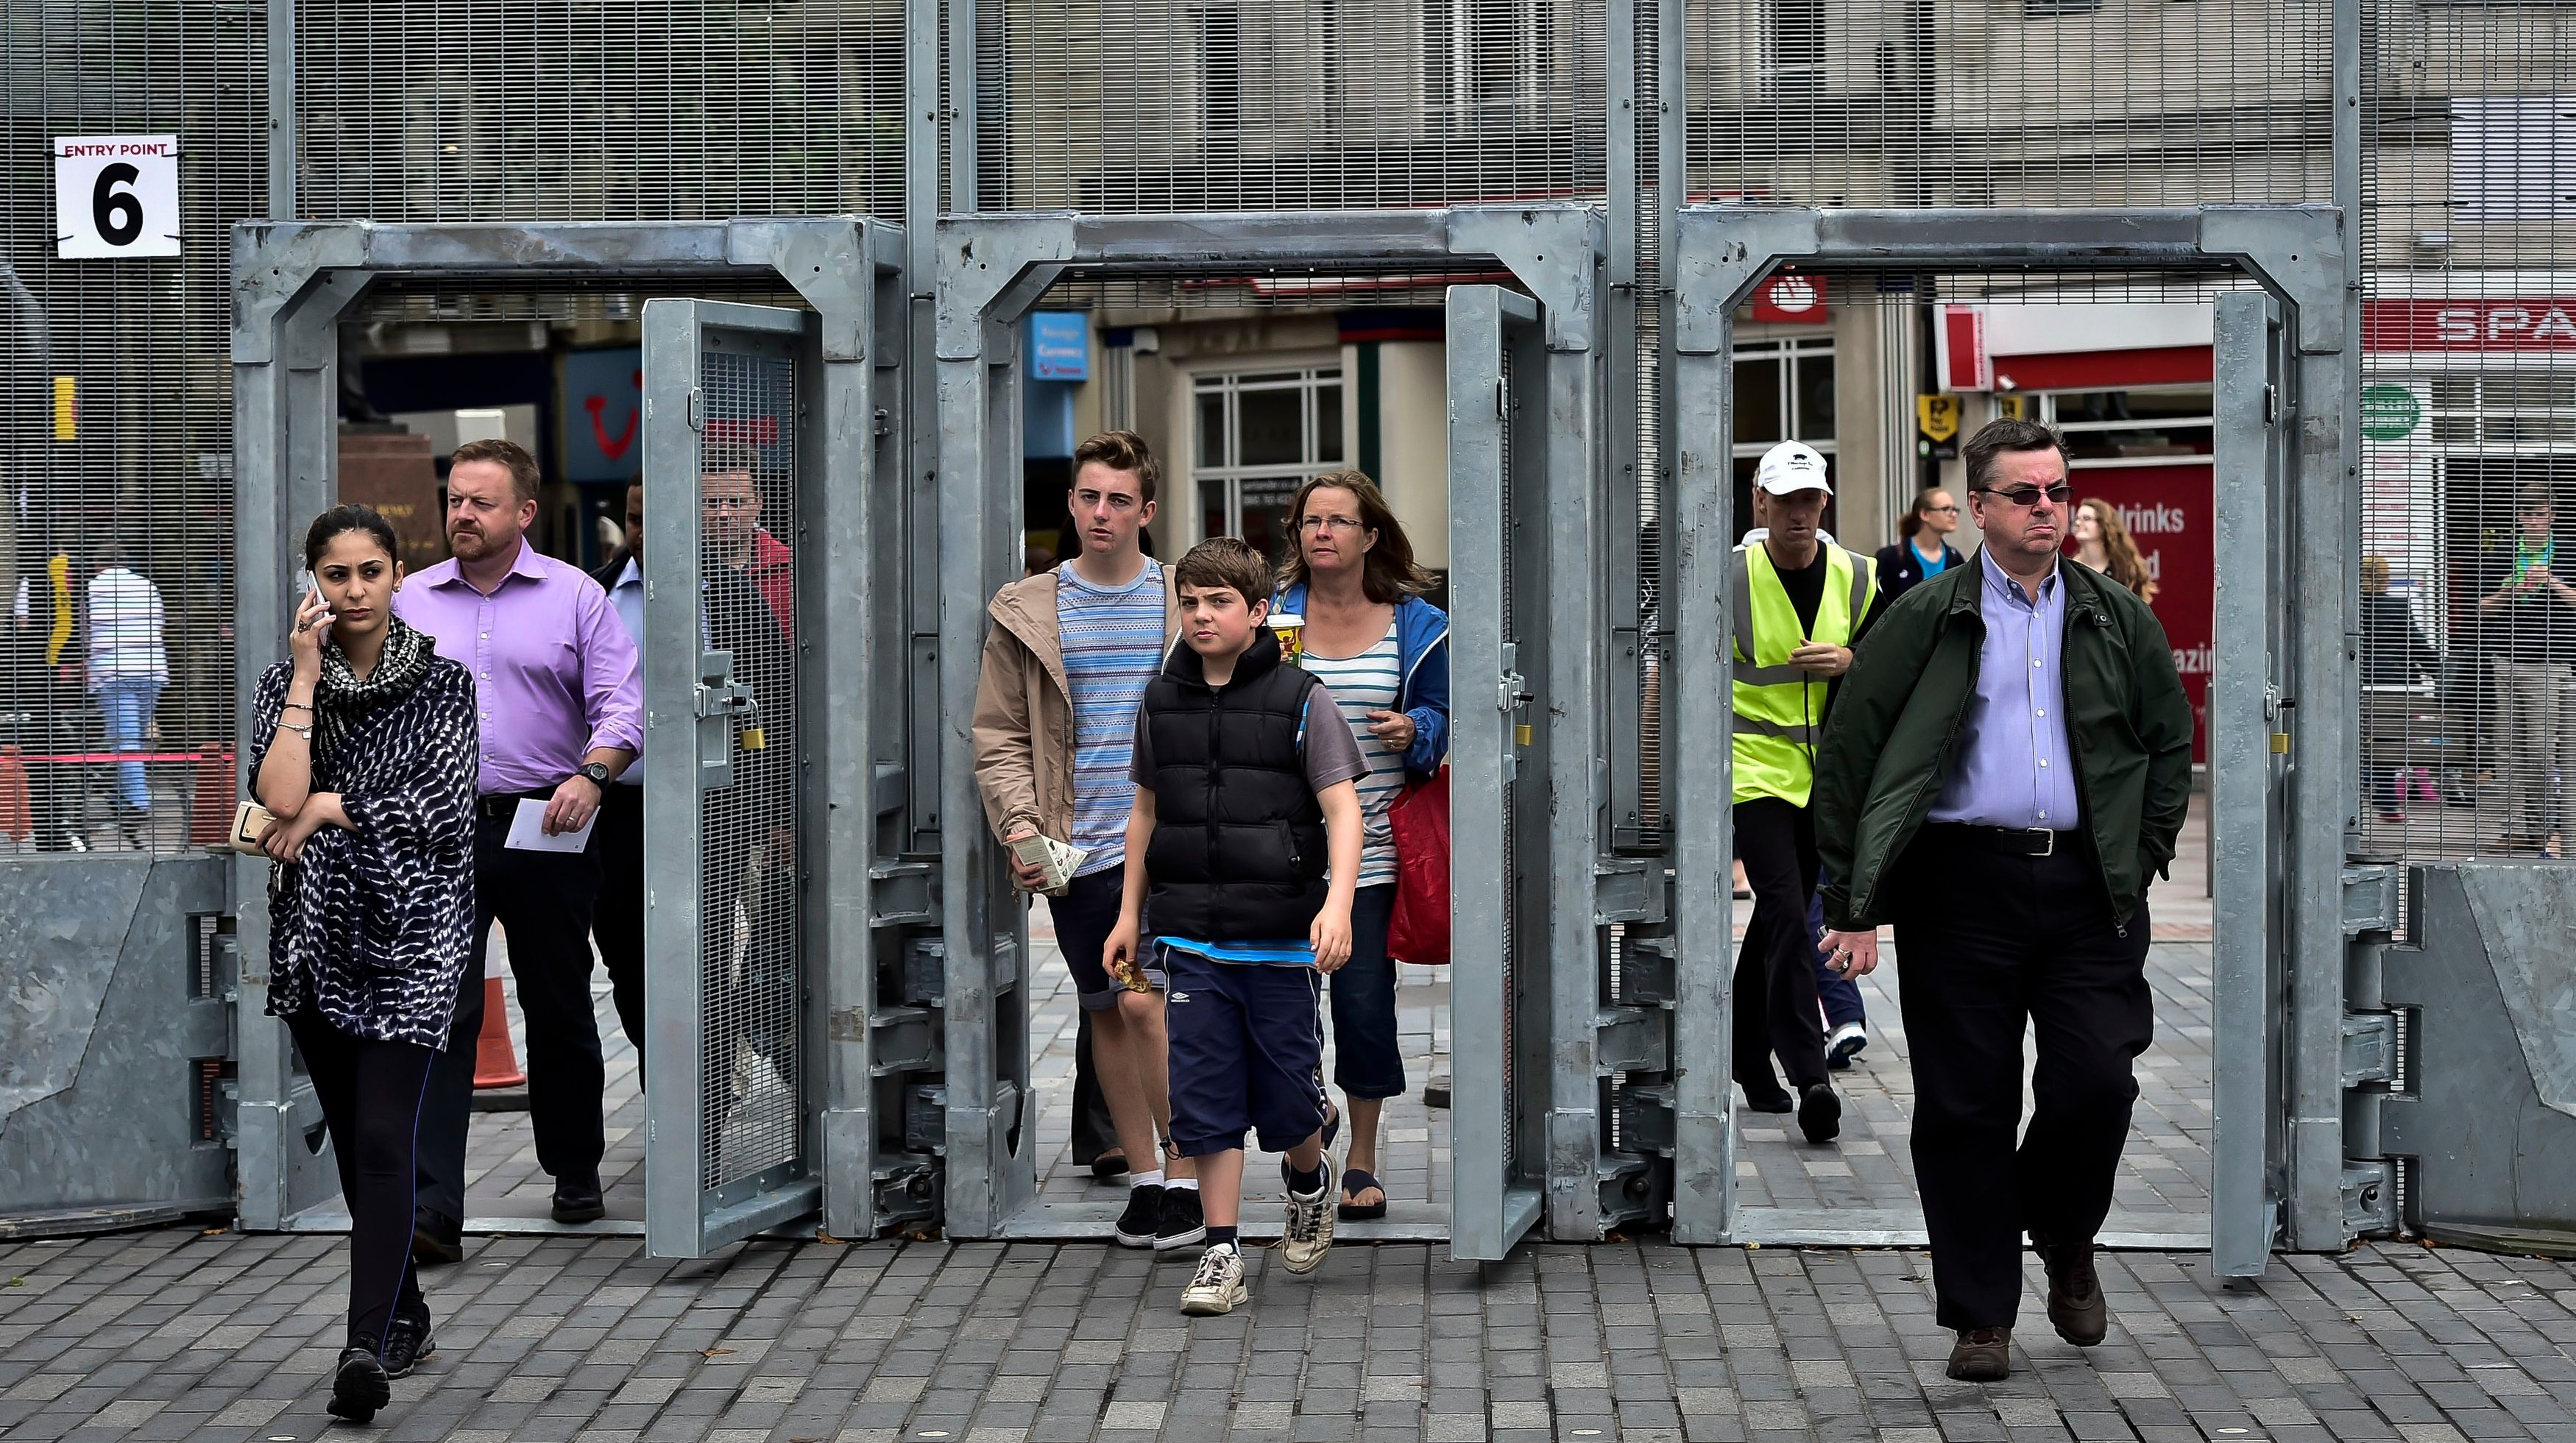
<point>2004,771</point>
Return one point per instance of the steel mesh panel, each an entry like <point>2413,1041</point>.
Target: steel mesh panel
<point>2011,102</point>
<point>2468,407</point>
<point>753,1098</point>
<point>1128,106</point>
<point>1649,481</point>
<point>1507,574</point>
<point>537,110</point>
<point>139,453</point>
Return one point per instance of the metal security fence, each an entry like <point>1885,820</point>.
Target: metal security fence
<point>530,110</point>
<point>118,415</point>
<point>2468,486</point>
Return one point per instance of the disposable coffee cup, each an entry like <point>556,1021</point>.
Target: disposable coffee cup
<point>1290,628</point>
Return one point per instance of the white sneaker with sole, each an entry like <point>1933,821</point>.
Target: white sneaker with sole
<point>1845,1044</point>
<point>1217,1287</point>
<point>1309,1234</point>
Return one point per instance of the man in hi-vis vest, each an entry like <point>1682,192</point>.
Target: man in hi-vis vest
<point>1798,600</point>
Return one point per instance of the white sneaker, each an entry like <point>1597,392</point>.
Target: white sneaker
<point>1217,1287</point>
<point>1845,1044</point>
<point>1310,1224</point>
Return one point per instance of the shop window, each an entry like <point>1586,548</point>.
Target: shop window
<point>2144,427</point>
<point>1796,62</point>
<point>1784,391</point>
<point>2505,408</point>
<point>1259,435</point>
<point>1478,53</point>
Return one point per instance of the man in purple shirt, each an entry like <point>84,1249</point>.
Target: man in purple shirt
<point>2005,769</point>
<point>560,708</point>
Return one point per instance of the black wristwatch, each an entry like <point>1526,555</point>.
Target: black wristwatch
<point>597,772</point>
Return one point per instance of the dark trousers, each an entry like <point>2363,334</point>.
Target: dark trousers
<point>543,901</point>
<point>1368,1058</point>
<point>1839,994</point>
<point>1775,973</point>
<point>371,1093</point>
<point>1093,1131</point>
<point>617,923</point>
<point>1987,941</point>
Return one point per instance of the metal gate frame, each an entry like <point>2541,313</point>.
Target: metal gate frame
<point>992,270</point>
<point>292,282</point>
<point>2299,255</point>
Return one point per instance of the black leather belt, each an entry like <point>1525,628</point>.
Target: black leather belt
<point>502,806</point>
<point>2011,841</point>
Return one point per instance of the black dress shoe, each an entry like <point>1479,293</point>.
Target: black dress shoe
<point>577,1199</point>
<point>1777,1102</point>
<point>359,1386</point>
<point>1820,1112</point>
<point>408,1343</point>
<point>436,1238</point>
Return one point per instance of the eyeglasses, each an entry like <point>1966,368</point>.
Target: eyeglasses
<point>2027,496</point>
<point>1328,523</point>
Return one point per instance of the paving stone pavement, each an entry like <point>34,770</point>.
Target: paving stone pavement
<point>172,1334</point>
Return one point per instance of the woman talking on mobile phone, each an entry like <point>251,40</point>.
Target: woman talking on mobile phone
<point>364,748</point>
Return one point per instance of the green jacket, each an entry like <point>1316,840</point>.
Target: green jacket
<point>1899,712</point>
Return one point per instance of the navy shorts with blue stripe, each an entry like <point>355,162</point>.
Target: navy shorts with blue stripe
<point>1247,1052</point>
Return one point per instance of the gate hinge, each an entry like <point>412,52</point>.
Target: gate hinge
<point>2370,901</point>
<point>1648,974</point>
<point>900,1039</point>
<point>2369,1196</point>
<point>2369,1048</point>
<point>1632,1039</point>
<point>1628,889</point>
<point>1631,1187</point>
<point>901,894</point>
<point>906,1191</point>
<point>697,409</point>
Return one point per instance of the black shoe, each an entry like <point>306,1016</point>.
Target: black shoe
<point>1774,1102</point>
<point>408,1343</point>
<point>2076,1307</point>
<point>577,1199</point>
<point>1110,1166</point>
<point>1820,1112</point>
<point>1183,1222</point>
<point>1435,1093</point>
<point>436,1238</point>
<point>1143,1218</point>
<point>360,1386</point>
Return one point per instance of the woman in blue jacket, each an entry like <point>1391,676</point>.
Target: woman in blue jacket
<point>1383,653</point>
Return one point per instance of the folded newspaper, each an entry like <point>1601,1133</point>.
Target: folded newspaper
<point>1058,859</point>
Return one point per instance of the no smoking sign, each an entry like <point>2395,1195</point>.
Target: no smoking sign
<point>116,195</point>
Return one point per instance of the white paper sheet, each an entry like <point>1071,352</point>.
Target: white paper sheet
<point>528,831</point>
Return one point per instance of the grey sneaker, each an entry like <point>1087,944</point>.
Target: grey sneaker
<point>1310,1224</point>
<point>1217,1287</point>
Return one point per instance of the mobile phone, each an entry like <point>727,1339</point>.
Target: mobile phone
<point>305,586</point>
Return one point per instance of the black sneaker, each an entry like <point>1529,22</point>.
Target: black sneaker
<point>359,1386</point>
<point>1820,1112</point>
<point>578,1199</point>
<point>408,1343</point>
<point>436,1238</point>
<point>1183,1222</point>
<point>1143,1218</point>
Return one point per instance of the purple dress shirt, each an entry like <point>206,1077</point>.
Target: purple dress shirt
<point>2014,764</point>
<point>555,673</point>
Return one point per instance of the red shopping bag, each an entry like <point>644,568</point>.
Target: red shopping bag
<point>1420,819</point>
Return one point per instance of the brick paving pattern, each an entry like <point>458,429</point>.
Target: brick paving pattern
<point>172,1334</point>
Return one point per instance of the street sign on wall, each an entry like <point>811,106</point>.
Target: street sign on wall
<point>116,195</point>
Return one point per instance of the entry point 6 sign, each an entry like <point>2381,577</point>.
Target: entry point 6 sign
<point>116,195</point>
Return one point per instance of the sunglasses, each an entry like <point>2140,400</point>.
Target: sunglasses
<point>2028,496</point>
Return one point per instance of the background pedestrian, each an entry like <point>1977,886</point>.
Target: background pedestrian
<point>127,668</point>
<point>1922,550</point>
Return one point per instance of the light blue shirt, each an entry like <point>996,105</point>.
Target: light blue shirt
<point>628,597</point>
<point>2014,765</point>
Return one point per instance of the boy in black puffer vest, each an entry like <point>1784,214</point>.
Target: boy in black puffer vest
<point>1245,807</point>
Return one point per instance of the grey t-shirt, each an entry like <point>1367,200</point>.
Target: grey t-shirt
<point>1332,752</point>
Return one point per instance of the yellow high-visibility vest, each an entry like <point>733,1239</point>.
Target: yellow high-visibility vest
<point>1779,709</point>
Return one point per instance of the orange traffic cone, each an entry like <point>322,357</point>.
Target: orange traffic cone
<point>495,1065</point>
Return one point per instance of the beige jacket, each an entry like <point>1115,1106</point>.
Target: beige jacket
<point>1024,709</point>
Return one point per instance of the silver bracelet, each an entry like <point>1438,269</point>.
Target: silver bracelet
<point>305,731</point>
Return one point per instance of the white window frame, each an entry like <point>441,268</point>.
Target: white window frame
<point>2047,407</point>
<point>1314,370</point>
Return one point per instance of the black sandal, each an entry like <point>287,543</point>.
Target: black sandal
<point>1355,1182</point>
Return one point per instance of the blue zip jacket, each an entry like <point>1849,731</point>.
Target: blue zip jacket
<point>1422,660</point>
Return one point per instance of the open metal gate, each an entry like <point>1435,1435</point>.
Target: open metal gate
<point>2284,381</point>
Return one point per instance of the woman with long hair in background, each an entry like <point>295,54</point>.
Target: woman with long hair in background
<point>2102,543</point>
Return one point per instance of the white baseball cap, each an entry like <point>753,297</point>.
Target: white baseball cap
<point>1792,466</point>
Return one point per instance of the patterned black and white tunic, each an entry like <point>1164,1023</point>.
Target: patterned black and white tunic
<point>373,927</point>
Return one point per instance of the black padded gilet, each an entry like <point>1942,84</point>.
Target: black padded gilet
<point>1239,850</point>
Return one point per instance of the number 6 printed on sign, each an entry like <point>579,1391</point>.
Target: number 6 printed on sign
<point>116,195</point>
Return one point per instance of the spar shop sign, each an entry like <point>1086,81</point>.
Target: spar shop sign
<point>2486,323</point>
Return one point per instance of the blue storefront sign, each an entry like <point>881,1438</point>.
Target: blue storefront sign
<point>1059,346</point>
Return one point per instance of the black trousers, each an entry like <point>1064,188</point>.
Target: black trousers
<point>1986,942</point>
<point>1775,972</point>
<point>617,923</point>
<point>371,1093</point>
<point>544,902</point>
<point>1093,1131</point>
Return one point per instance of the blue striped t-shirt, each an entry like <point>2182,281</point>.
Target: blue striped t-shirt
<point>1112,639</point>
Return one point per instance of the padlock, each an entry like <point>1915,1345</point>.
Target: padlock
<point>754,739</point>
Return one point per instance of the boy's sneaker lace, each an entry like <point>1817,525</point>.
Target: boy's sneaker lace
<point>1310,1223</point>
<point>1183,1221</point>
<point>1143,1218</point>
<point>1217,1287</point>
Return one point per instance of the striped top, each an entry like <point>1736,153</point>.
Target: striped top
<point>1113,644</point>
<point>1361,684</point>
